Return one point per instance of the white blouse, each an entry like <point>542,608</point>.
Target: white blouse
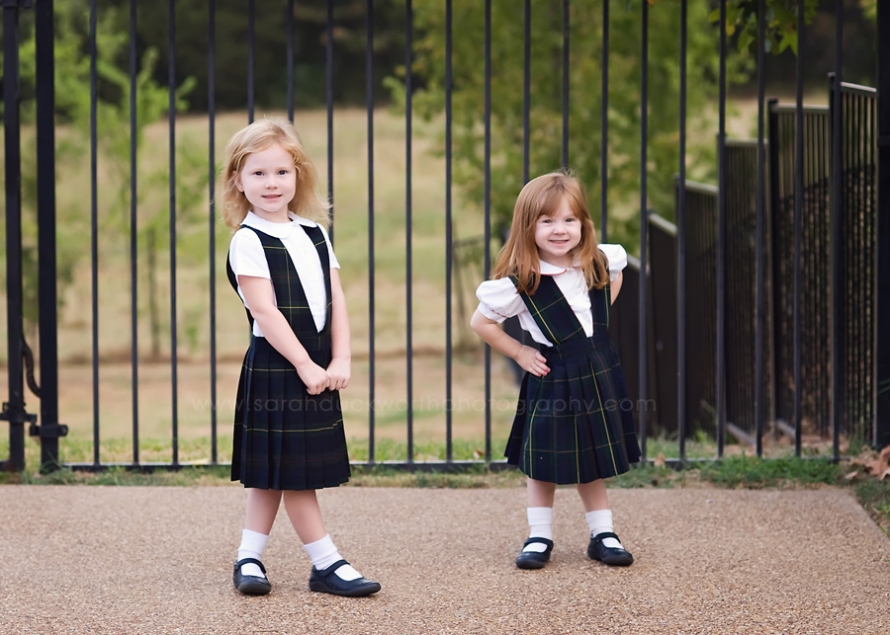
<point>499,299</point>
<point>247,257</point>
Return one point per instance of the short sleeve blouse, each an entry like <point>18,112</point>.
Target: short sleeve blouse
<point>247,258</point>
<point>499,300</point>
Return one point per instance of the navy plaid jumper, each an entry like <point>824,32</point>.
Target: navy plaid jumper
<point>285,438</point>
<point>573,425</point>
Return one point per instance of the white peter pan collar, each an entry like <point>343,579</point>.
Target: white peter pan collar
<point>277,230</point>
<point>552,270</point>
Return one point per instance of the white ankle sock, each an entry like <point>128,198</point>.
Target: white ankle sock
<point>323,553</point>
<point>600,521</point>
<point>252,545</point>
<point>540,525</point>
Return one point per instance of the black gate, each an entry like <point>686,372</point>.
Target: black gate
<point>741,343</point>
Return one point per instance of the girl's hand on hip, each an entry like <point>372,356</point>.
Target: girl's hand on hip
<point>339,373</point>
<point>314,377</point>
<point>532,361</point>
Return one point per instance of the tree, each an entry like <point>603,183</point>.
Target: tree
<point>780,26</point>
<point>270,52</point>
<point>73,113</point>
<point>585,107</point>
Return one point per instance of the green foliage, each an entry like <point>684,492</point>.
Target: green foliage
<point>744,471</point>
<point>270,52</point>
<point>647,475</point>
<point>74,111</point>
<point>780,27</point>
<point>869,8</point>
<point>585,99</point>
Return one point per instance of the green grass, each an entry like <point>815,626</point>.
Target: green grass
<point>733,472</point>
<point>753,473</point>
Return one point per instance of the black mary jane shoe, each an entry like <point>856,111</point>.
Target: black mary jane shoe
<point>534,559</point>
<point>327,581</point>
<point>250,584</point>
<point>614,556</point>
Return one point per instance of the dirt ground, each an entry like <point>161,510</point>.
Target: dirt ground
<point>158,560</point>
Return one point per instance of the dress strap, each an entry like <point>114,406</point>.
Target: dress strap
<point>552,312</point>
<point>291,296</point>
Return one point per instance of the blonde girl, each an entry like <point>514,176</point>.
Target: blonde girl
<point>288,437</point>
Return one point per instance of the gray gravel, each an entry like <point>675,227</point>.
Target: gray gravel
<point>97,560</point>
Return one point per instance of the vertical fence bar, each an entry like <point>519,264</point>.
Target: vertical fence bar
<point>211,178</point>
<point>526,87</point>
<point>329,102</point>
<point>449,237</point>
<point>798,229</point>
<point>681,243</point>
<point>721,242</point>
<point>134,235</point>
<point>289,26</point>
<point>46,248</point>
<point>836,244</point>
<point>409,346</point>
<point>14,409</point>
<point>881,434</point>
<point>174,364</point>
<point>604,128</point>
<point>759,229</point>
<point>644,223</point>
<point>251,48</point>
<point>565,83</point>
<point>369,92</point>
<point>486,259</point>
<point>94,232</point>
<point>778,176</point>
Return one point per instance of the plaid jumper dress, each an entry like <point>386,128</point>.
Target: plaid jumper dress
<point>285,438</point>
<point>573,425</point>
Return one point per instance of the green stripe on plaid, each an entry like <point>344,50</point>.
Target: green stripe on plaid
<point>285,438</point>
<point>571,426</point>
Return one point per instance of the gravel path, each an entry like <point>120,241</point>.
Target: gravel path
<point>123,560</point>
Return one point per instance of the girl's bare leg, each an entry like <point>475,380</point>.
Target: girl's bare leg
<point>540,493</point>
<point>593,495</point>
<point>305,515</point>
<point>262,507</point>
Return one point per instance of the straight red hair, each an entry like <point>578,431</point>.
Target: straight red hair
<point>543,196</point>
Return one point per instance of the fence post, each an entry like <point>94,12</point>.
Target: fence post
<point>14,409</point>
<point>882,411</point>
<point>50,430</point>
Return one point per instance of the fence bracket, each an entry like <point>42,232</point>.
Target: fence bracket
<point>47,430</point>
<point>16,417</point>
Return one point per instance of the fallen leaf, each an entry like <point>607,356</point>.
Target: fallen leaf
<point>881,465</point>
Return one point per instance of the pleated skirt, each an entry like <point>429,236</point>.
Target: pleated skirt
<point>285,438</point>
<point>575,425</point>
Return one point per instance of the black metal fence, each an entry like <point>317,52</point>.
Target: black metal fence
<point>749,261</point>
<point>814,367</point>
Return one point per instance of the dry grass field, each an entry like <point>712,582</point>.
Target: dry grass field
<point>193,411</point>
<point>351,235</point>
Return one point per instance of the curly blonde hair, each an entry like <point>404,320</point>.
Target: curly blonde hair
<point>259,136</point>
